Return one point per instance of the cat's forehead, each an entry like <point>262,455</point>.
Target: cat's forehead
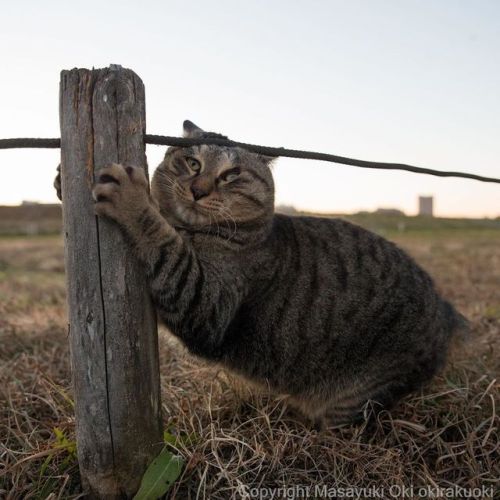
<point>215,153</point>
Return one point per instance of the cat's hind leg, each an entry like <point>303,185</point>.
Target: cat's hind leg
<point>357,408</point>
<point>313,410</point>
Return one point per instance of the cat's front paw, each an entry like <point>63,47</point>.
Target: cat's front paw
<point>121,193</point>
<point>57,182</point>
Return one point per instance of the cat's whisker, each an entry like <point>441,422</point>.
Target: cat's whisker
<point>226,222</point>
<point>209,222</point>
<point>235,226</point>
<point>218,227</point>
<point>226,211</point>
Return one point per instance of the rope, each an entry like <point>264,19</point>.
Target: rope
<point>309,155</point>
<point>161,140</point>
<point>29,143</point>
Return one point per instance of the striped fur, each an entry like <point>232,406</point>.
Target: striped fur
<point>331,314</point>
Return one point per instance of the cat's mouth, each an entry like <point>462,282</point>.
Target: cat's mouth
<point>197,213</point>
<point>192,213</point>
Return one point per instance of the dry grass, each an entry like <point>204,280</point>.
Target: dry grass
<point>234,439</point>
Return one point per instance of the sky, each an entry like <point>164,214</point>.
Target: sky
<point>407,81</point>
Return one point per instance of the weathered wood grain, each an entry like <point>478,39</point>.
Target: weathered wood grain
<point>113,335</point>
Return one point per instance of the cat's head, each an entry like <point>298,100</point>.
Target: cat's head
<point>213,187</point>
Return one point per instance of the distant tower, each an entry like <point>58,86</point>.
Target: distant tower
<point>426,205</point>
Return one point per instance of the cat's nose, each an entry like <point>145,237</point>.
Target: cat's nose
<point>199,192</point>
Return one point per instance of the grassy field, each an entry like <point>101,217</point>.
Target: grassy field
<point>234,439</point>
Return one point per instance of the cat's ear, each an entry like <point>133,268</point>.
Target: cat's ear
<point>191,131</point>
<point>268,161</point>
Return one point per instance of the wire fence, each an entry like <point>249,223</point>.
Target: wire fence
<point>183,142</point>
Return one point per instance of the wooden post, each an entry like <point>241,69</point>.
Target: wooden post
<point>113,335</point>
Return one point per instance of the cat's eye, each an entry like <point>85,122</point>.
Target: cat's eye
<point>230,175</point>
<point>194,164</point>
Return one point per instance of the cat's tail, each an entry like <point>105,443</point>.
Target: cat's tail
<point>458,324</point>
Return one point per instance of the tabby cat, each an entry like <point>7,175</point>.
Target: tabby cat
<point>321,310</point>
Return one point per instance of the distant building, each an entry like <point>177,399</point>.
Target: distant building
<point>286,209</point>
<point>426,206</point>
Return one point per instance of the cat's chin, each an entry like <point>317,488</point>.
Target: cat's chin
<point>190,217</point>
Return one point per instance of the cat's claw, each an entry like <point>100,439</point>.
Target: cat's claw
<point>120,192</point>
<point>57,182</point>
